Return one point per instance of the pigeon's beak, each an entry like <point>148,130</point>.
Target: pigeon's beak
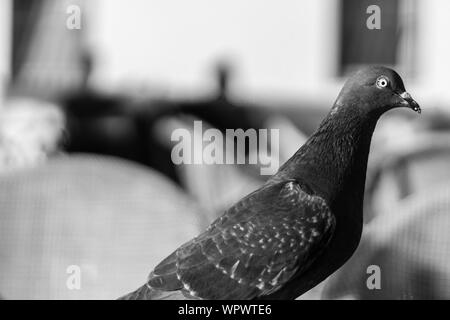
<point>408,101</point>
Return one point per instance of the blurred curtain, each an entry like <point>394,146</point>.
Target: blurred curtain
<point>45,52</point>
<point>360,45</point>
<point>25,17</point>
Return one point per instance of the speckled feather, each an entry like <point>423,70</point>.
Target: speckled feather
<point>253,249</point>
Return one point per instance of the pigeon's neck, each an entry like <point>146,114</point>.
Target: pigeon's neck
<point>335,157</point>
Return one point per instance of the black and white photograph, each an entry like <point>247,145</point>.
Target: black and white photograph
<point>224,150</point>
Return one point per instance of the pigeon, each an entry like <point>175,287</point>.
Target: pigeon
<point>303,224</point>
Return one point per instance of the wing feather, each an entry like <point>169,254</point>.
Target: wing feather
<point>255,248</point>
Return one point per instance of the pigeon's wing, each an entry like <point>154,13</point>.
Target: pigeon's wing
<point>257,246</point>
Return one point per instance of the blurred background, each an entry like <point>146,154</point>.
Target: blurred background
<point>91,91</point>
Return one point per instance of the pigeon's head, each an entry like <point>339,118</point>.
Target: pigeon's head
<point>376,90</point>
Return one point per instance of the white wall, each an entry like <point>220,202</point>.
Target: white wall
<point>279,47</point>
<point>282,49</point>
<point>433,49</point>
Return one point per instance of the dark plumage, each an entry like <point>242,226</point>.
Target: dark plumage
<point>303,224</point>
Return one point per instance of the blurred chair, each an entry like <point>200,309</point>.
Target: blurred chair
<point>114,219</point>
<point>215,186</point>
<point>408,235</point>
<point>406,158</point>
<point>411,245</point>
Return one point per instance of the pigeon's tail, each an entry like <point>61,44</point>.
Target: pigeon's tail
<point>147,293</point>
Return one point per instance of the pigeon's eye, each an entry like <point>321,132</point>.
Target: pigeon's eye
<point>382,82</point>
